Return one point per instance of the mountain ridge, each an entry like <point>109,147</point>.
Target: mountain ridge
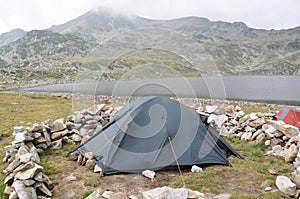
<point>61,51</point>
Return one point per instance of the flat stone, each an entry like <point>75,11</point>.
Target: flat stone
<point>35,155</point>
<point>149,174</point>
<point>56,136</point>
<point>75,137</point>
<point>296,178</point>
<point>211,109</point>
<point>218,119</point>
<point>39,177</point>
<point>97,169</point>
<point>29,173</point>
<point>96,109</point>
<point>71,178</point>
<point>11,167</point>
<point>165,192</point>
<point>285,185</point>
<point>223,196</point>
<point>18,129</point>
<point>37,127</point>
<point>23,191</point>
<point>24,167</point>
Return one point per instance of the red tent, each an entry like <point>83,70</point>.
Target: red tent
<point>289,116</point>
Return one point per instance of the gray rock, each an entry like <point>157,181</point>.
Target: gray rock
<point>285,185</point>
<point>218,119</point>
<point>56,144</point>
<point>296,178</point>
<point>148,174</point>
<point>253,116</point>
<point>28,183</point>
<point>18,129</point>
<point>46,136</point>
<point>107,194</point>
<point>29,173</point>
<point>75,137</point>
<point>13,195</point>
<point>23,191</point>
<point>211,109</point>
<point>35,155</point>
<point>291,153</point>
<point>88,155</point>
<point>224,131</point>
<point>256,134</point>
<point>223,196</point>
<point>58,125</point>
<point>71,178</point>
<point>246,136</point>
<point>90,164</point>
<point>165,193</point>
<point>25,157</point>
<point>39,177</point>
<point>24,167</point>
<point>36,127</point>
<point>96,194</point>
<point>14,164</point>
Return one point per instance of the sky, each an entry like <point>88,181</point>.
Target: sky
<point>41,14</point>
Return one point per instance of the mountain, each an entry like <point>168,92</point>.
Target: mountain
<point>104,45</point>
<point>8,37</point>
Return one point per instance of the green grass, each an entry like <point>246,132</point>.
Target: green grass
<point>24,110</point>
<point>255,110</point>
<point>86,194</point>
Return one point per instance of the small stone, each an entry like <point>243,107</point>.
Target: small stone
<point>79,159</point>
<point>253,116</point>
<point>90,164</point>
<point>39,177</point>
<point>97,169</point>
<point>107,194</point>
<point>28,183</point>
<point>14,164</point>
<point>71,178</point>
<point>73,156</point>
<point>75,137</point>
<point>285,185</point>
<point>260,138</point>
<point>267,189</point>
<point>196,169</point>
<point>96,109</point>
<point>267,142</point>
<point>148,174</point>
<point>296,178</point>
<point>229,109</point>
<point>88,155</point>
<point>25,157</point>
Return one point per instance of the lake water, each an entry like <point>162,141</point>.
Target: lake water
<point>271,89</point>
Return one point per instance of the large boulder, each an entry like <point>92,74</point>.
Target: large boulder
<point>165,192</point>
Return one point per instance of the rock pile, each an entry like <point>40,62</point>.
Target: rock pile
<point>24,174</point>
<point>282,140</point>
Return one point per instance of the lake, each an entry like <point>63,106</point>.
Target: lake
<point>270,89</point>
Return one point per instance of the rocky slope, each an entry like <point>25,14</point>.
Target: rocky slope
<point>104,41</point>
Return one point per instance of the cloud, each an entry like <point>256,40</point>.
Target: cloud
<point>37,14</point>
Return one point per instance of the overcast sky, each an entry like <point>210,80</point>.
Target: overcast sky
<point>41,14</point>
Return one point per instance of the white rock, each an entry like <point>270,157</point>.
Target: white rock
<point>107,194</point>
<point>196,169</point>
<point>246,136</point>
<point>71,178</point>
<point>94,110</point>
<point>253,116</point>
<point>218,119</point>
<point>165,193</point>
<point>285,185</point>
<point>148,174</point>
<point>97,169</point>
<point>211,109</point>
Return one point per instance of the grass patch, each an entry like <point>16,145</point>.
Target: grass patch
<point>86,194</point>
<point>243,179</point>
<point>91,179</point>
<point>255,110</point>
<point>24,110</point>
